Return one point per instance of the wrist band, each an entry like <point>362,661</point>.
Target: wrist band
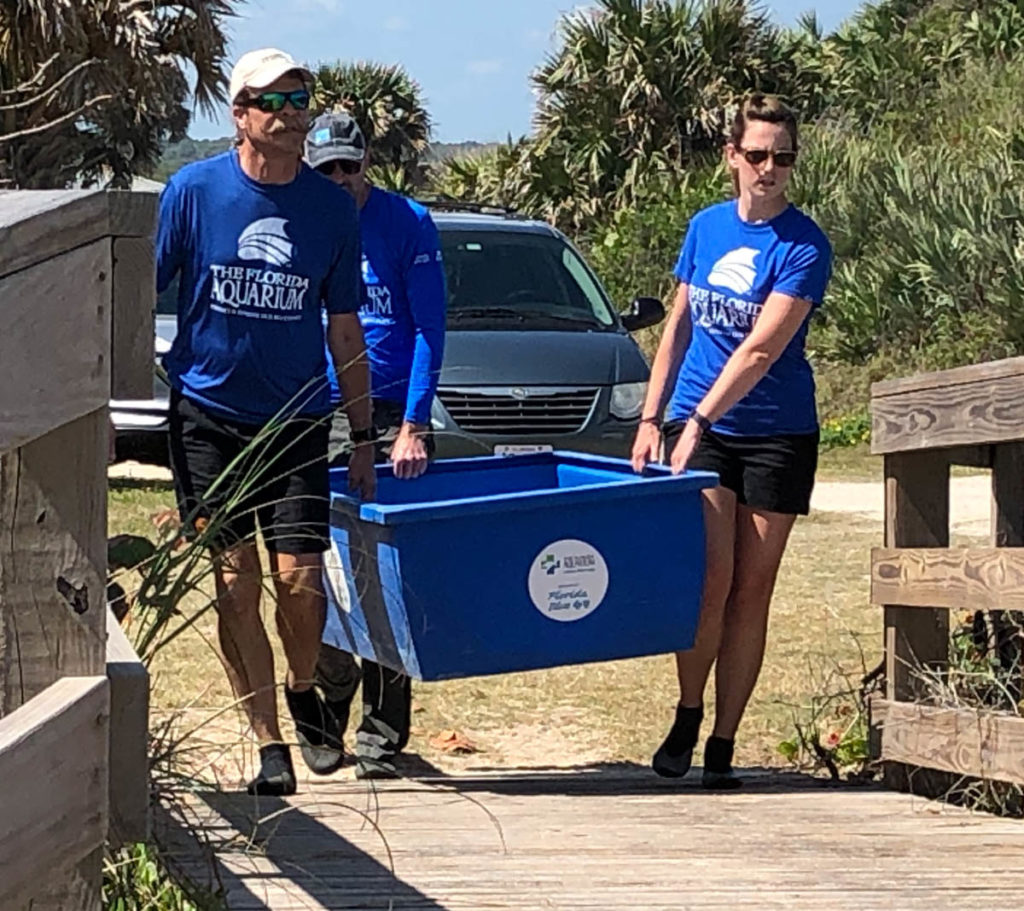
<point>702,422</point>
<point>367,435</point>
<point>655,421</point>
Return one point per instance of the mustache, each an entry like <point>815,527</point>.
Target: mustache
<point>284,126</point>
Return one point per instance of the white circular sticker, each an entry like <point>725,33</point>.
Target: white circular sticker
<point>568,580</point>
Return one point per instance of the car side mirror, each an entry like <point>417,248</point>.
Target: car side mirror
<point>642,313</point>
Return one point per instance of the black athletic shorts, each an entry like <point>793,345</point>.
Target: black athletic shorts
<point>775,473</point>
<point>276,476</point>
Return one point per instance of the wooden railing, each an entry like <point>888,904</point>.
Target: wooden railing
<point>76,300</point>
<point>922,426</point>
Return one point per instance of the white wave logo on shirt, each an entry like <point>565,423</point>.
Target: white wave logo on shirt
<point>267,291</point>
<point>725,314</point>
<point>266,240</point>
<point>378,309</point>
<point>735,270</point>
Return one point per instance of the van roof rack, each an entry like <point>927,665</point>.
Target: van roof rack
<point>449,204</point>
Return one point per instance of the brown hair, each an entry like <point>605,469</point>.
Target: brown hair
<point>767,108</point>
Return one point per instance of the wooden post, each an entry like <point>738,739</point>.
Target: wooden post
<point>1008,531</point>
<point>134,299</point>
<point>916,515</point>
<point>53,519</point>
<point>129,739</point>
<point>916,639</point>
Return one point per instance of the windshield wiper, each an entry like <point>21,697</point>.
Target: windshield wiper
<point>518,313</point>
<point>477,312</point>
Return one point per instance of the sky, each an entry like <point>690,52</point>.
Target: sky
<point>472,58</point>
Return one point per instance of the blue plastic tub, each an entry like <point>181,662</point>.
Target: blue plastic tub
<point>489,565</point>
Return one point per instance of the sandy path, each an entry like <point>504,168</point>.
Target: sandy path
<point>969,501</point>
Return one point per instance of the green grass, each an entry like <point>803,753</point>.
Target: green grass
<point>849,463</point>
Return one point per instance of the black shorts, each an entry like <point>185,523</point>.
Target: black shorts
<point>276,476</point>
<point>775,473</point>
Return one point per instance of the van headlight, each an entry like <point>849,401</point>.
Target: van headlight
<point>628,400</point>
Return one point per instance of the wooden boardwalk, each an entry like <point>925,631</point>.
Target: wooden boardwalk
<point>608,839</point>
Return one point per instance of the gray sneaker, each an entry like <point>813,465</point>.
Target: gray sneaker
<point>379,769</point>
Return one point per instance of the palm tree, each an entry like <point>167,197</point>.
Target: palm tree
<point>646,86</point>
<point>93,90</point>
<point>389,107</point>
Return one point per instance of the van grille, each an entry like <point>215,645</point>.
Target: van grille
<point>523,412</point>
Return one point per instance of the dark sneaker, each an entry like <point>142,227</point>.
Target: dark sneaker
<point>675,755</point>
<point>276,777</point>
<point>719,774</point>
<point>316,730</point>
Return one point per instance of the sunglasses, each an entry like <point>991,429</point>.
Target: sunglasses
<point>346,167</point>
<point>272,102</point>
<point>783,159</point>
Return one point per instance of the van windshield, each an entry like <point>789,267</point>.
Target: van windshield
<point>516,279</point>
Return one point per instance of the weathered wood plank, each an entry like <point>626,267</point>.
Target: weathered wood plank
<point>134,299</point>
<point>968,742</point>
<point>56,361</point>
<point>973,413</point>
<point>53,523</point>
<point>956,376</point>
<point>53,765</point>
<point>967,578</point>
<point>129,739</point>
<point>37,225</point>
<point>589,839</point>
<point>916,515</point>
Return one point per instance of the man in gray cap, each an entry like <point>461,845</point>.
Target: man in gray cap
<point>262,246</point>
<point>403,320</point>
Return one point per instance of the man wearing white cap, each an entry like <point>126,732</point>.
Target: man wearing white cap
<point>262,246</point>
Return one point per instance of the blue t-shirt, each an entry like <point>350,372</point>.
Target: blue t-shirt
<point>404,302</point>
<point>731,266</point>
<point>257,264</point>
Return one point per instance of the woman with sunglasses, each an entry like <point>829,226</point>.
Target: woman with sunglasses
<point>734,383</point>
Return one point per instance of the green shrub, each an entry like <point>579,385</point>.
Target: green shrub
<point>850,430</point>
<point>135,879</point>
<point>634,249</point>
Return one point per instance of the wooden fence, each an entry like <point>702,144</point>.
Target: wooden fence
<point>922,426</point>
<point>76,298</point>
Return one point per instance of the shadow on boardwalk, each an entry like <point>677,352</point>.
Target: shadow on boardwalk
<point>330,846</point>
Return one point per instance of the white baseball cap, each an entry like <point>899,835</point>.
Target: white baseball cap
<point>260,68</point>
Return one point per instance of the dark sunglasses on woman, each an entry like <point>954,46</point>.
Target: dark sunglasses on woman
<point>346,166</point>
<point>272,102</point>
<point>782,159</point>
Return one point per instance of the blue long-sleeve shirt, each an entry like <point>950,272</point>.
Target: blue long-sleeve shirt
<point>404,302</point>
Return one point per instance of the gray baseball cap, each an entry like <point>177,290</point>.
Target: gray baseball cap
<point>333,137</point>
